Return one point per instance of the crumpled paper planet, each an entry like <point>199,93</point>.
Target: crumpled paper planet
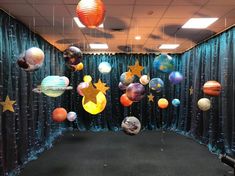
<point>131,125</point>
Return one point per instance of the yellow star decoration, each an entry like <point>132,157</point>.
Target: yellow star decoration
<point>191,90</point>
<point>90,94</point>
<point>151,97</point>
<point>8,105</point>
<point>129,75</point>
<point>136,69</point>
<point>101,86</point>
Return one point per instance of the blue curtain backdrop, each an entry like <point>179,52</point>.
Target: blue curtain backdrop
<point>29,130</point>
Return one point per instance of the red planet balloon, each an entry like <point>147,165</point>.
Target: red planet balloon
<point>91,12</point>
<point>59,115</point>
<point>125,101</point>
<point>212,88</point>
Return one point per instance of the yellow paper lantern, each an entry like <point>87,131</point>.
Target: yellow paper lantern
<point>95,108</point>
<point>87,78</point>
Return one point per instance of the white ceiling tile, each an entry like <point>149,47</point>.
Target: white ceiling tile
<point>149,11</point>
<point>144,22</point>
<point>214,11</point>
<point>153,2</point>
<point>221,2</point>
<point>119,10</point>
<point>47,10</point>
<point>189,2</point>
<point>34,21</point>
<point>119,2</point>
<point>13,1</point>
<point>45,1</point>
<point>20,10</point>
<point>181,11</point>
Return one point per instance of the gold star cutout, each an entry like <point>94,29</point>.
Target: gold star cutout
<point>151,97</point>
<point>136,69</point>
<point>191,90</point>
<point>101,86</point>
<point>90,94</point>
<point>8,105</point>
<point>129,75</point>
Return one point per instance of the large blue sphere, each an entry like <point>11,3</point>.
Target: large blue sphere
<point>156,84</point>
<point>175,77</point>
<point>175,102</point>
<point>164,63</point>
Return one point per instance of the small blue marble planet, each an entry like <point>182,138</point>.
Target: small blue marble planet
<point>175,102</point>
<point>163,63</point>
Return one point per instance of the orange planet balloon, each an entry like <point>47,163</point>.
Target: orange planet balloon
<point>91,12</point>
<point>162,103</point>
<point>125,101</point>
<point>59,115</point>
<point>212,88</point>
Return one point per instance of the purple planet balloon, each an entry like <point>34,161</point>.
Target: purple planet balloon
<point>122,86</point>
<point>80,86</point>
<point>175,77</point>
<point>135,92</point>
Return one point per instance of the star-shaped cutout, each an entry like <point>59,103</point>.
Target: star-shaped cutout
<point>101,86</point>
<point>191,90</point>
<point>151,97</point>
<point>90,94</point>
<point>136,69</point>
<point>8,105</point>
<point>129,75</point>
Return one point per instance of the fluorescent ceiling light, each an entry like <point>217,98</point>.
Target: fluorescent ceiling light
<point>98,46</point>
<point>199,23</point>
<point>169,46</point>
<point>78,22</point>
<point>138,37</point>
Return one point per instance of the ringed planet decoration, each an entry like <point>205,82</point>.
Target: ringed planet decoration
<point>77,67</point>
<point>71,116</point>
<point>53,86</point>
<point>212,88</point>
<point>104,67</point>
<point>175,77</point>
<point>163,63</point>
<point>135,92</point>
<point>59,115</point>
<point>175,102</point>
<point>31,60</point>
<point>162,103</point>
<point>204,104</point>
<point>91,13</point>
<point>131,125</point>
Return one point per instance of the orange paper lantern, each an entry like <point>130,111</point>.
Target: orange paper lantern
<point>125,101</point>
<point>91,12</point>
<point>162,103</point>
<point>59,115</point>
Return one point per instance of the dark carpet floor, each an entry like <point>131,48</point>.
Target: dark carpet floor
<point>150,153</point>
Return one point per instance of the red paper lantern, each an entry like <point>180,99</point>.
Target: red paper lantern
<point>125,101</point>
<point>91,12</point>
<point>59,115</point>
<point>212,88</point>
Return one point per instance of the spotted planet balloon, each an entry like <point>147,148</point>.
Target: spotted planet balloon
<point>175,102</point>
<point>204,104</point>
<point>95,108</point>
<point>135,92</point>
<point>162,103</point>
<point>122,86</point>
<point>131,125</point>
<point>81,86</point>
<point>104,67</point>
<point>126,80</point>
<point>176,77</point>
<point>156,84</point>
<point>59,114</point>
<point>212,88</point>
<point>144,79</point>
<point>164,63</point>
<point>72,55</point>
<point>71,116</point>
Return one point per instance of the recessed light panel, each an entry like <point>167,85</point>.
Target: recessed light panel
<point>98,46</point>
<point>169,46</point>
<point>199,23</point>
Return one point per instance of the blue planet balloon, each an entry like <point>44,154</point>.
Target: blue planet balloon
<point>164,63</point>
<point>104,67</point>
<point>175,77</point>
<point>175,102</point>
<point>125,80</point>
<point>156,84</point>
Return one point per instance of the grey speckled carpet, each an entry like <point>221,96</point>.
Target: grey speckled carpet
<point>150,153</point>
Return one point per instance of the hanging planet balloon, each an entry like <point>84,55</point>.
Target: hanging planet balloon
<point>125,101</point>
<point>144,79</point>
<point>104,67</point>
<point>81,86</point>
<point>162,103</point>
<point>93,108</point>
<point>59,115</point>
<point>87,78</point>
<point>164,63</point>
<point>122,86</point>
<point>131,125</point>
<point>204,104</point>
<point>156,84</point>
<point>91,12</point>
<point>66,80</point>
<point>72,55</point>
<point>126,80</point>
<point>176,77</point>
<point>71,116</point>
<point>212,88</point>
<point>135,92</point>
<point>175,102</point>
<point>77,67</point>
